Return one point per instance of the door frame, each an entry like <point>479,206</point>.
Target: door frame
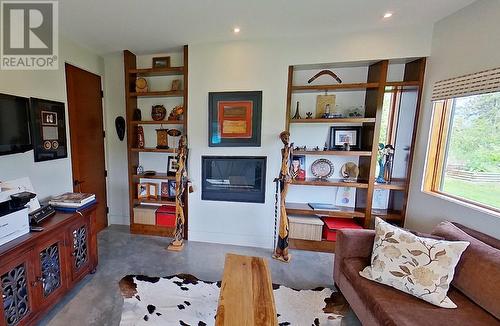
<point>68,133</point>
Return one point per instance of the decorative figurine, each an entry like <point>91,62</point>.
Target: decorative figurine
<point>176,113</point>
<point>347,147</point>
<point>297,113</point>
<point>137,116</point>
<point>316,148</point>
<point>158,112</point>
<point>140,137</point>
<point>180,186</point>
<point>120,127</point>
<point>389,161</point>
<point>309,115</point>
<point>385,160</point>
<point>139,170</point>
<point>282,181</point>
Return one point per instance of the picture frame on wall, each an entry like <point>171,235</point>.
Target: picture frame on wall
<point>48,129</point>
<point>172,165</point>
<point>161,62</point>
<point>235,119</point>
<point>339,136</point>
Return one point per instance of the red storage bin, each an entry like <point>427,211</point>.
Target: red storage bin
<point>332,224</point>
<point>165,216</point>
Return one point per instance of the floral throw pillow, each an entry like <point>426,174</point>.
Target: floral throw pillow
<point>419,266</point>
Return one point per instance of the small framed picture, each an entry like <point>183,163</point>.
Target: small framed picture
<point>172,165</point>
<point>297,168</point>
<point>345,137</point>
<point>164,189</point>
<point>142,190</point>
<point>161,62</point>
<point>153,191</point>
<point>176,85</point>
<point>171,188</point>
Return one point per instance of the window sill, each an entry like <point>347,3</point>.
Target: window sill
<point>464,202</point>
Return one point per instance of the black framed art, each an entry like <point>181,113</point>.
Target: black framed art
<point>172,165</point>
<point>340,136</point>
<point>235,119</point>
<point>48,129</point>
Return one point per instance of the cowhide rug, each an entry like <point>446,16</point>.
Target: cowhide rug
<point>184,300</point>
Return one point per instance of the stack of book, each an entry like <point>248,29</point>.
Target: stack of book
<point>72,201</point>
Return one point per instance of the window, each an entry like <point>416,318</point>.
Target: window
<point>464,150</point>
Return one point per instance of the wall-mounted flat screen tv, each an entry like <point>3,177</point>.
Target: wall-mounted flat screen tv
<point>14,124</point>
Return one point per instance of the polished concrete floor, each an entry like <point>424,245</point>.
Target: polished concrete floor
<point>97,300</point>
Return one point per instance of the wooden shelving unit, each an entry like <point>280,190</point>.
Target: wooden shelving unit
<point>374,87</point>
<point>132,100</point>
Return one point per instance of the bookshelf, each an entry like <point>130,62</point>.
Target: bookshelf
<point>390,93</point>
<point>158,93</point>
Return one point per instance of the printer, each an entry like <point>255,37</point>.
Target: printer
<point>15,204</point>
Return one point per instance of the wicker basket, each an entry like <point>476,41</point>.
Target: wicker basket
<point>305,227</point>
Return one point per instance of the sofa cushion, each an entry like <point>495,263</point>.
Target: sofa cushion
<point>489,240</point>
<point>419,266</point>
<point>395,308</point>
<point>478,273</point>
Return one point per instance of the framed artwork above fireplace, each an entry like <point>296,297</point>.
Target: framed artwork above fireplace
<point>235,119</point>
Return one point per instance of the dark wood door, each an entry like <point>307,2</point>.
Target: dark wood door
<point>87,136</point>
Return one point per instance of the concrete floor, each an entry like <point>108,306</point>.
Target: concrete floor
<point>96,300</point>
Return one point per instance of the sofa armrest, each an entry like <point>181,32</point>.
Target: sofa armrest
<point>352,244</point>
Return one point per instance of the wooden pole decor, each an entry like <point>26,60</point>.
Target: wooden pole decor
<point>281,249</point>
<point>180,187</point>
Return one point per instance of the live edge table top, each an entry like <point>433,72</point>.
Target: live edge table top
<point>246,296</point>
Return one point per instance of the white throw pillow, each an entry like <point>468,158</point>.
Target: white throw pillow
<point>422,267</point>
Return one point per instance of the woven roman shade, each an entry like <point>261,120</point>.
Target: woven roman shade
<point>487,81</point>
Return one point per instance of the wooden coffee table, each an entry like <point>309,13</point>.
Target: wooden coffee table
<point>246,296</point>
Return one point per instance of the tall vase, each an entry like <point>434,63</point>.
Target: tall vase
<point>381,165</point>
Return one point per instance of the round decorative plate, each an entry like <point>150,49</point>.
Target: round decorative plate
<point>322,168</point>
<point>349,171</point>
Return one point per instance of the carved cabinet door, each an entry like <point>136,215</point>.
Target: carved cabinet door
<point>50,270</point>
<point>16,282</point>
<point>79,248</point>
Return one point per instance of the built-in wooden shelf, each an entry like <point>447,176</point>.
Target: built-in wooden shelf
<point>162,122</point>
<point>157,176</point>
<point>149,72</point>
<point>158,230</point>
<point>397,184</point>
<point>153,150</point>
<point>402,83</point>
<point>321,88</point>
<point>388,215</point>
<point>168,202</point>
<point>339,153</point>
<point>329,183</point>
<point>158,94</point>
<point>321,246</point>
<point>334,120</point>
<point>304,209</point>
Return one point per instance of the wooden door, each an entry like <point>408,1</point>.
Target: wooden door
<point>87,137</point>
<point>17,281</point>
<point>50,270</point>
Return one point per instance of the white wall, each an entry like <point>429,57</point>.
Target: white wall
<point>465,42</point>
<point>263,65</point>
<point>50,177</point>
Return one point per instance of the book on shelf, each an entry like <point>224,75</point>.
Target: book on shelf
<point>72,200</point>
<point>74,209</point>
<point>323,207</point>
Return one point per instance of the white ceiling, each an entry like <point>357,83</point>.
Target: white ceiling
<point>155,25</point>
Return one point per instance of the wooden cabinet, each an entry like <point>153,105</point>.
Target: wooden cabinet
<point>37,270</point>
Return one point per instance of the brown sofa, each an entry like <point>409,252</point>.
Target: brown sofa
<point>475,288</point>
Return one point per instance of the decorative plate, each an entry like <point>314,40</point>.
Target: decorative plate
<point>349,171</point>
<point>322,168</point>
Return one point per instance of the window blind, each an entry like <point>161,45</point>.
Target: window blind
<point>487,81</point>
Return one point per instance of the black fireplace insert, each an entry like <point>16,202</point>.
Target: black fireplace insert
<point>234,178</point>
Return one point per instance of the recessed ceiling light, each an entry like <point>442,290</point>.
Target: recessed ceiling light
<point>236,30</point>
<point>388,14</point>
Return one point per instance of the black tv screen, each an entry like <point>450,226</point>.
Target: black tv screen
<point>14,124</point>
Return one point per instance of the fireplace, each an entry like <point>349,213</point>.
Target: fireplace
<point>234,178</point>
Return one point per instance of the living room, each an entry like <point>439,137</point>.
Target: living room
<point>155,154</point>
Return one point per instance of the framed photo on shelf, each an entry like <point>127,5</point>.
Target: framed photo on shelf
<point>161,62</point>
<point>340,136</point>
<point>297,168</point>
<point>235,119</point>
<point>164,189</point>
<point>172,165</point>
<point>171,188</point>
<point>153,191</point>
<point>142,190</point>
